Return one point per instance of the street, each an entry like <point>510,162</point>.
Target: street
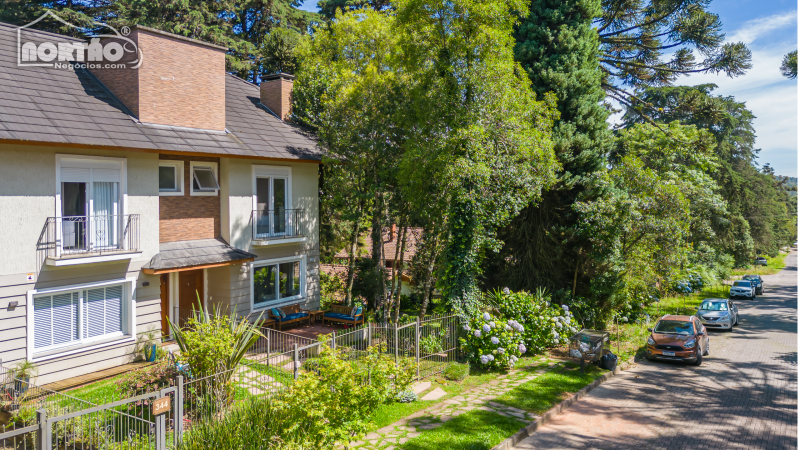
<point>743,396</point>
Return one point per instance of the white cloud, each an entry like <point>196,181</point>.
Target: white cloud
<point>756,28</point>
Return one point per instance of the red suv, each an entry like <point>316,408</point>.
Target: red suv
<point>678,338</point>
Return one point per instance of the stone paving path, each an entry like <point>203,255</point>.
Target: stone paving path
<point>479,398</point>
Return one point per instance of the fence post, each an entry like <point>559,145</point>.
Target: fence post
<point>369,334</point>
<point>161,428</point>
<point>268,333</point>
<point>333,340</point>
<point>44,430</point>
<point>178,414</point>
<point>295,360</point>
<point>396,345</point>
<point>416,344</point>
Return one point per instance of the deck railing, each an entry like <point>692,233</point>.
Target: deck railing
<point>277,223</point>
<point>76,236</point>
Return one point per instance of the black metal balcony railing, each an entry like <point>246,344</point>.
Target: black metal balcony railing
<point>76,236</point>
<point>276,223</point>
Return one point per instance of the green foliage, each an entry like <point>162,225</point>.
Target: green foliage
<point>24,370</point>
<point>334,402</point>
<point>493,342</point>
<point>405,397</point>
<point>151,378</point>
<point>475,430</point>
<point>255,423</point>
<point>539,395</point>
<point>455,371</point>
<point>557,45</point>
<point>544,325</point>
<point>331,289</point>
<point>278,51</point>
<point>789,65</point>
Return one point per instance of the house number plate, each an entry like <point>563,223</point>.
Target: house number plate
<point>160,405</point>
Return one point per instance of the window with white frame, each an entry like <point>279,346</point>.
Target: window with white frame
<point>170,177</point>
<point>79,316</point>
<point>277,281</point>
<point>204,178</point>
<point>90,193</point>
<point>272,201</point>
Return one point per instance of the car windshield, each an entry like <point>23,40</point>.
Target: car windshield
<point>714,306</point>
<point>742,283</point>
<point>673,327</point>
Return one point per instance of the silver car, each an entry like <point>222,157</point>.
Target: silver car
<point>718,313</point>
<point>743,288</point>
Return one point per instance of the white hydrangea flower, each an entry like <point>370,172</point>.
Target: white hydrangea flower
<point>486,316</point>
<point>466,327</point>
<point>565,307</point>
<point>522,348</point>
<point>506,290</point>
<point>487,328</point>
<point>484,359</point>
<point>491,357</point>
<point>492,324</point>
<point>494,340</point>
<point>501,350</point>
<point>477,333</point>
<point>558,324</point>
<point>508,328</point>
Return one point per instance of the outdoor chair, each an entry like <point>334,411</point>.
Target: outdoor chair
<point>289,314</point>
<point>344,314</point>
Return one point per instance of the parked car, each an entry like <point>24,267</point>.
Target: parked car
<point>761,261</point>
<point>678,338</point>
<point>757,281</point>
<point>718,313</point>
<point>743,289</point>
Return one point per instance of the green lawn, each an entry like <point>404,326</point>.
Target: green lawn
<point>389,413</point>
<point>774,265</point>
<point>475,430</point>
<point>542,393</point>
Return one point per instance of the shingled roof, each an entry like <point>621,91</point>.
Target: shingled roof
<point>194,254</point>
<point>47,105</point>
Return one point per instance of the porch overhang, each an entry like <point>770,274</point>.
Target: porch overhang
<point>196,254</point>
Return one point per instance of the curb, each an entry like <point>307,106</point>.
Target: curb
<point>531,428</point>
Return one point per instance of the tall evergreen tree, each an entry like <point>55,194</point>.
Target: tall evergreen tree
<point>558,47</point>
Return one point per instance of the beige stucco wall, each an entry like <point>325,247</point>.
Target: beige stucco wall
<point>236,178</point>
<point>27,198</point>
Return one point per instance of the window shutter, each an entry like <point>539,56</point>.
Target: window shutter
<point>42,322</point>
<point>113,309</point>
<point>105,175</point>
<point>94,324</point>
<point>73,174</point>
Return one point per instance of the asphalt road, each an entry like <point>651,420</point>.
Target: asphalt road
<point>744,396</point>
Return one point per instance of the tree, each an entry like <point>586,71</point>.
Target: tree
<point>328,8</point>
<point>650,43</point>
<point>789,65</point>
<point>558,48</point>
<point>478,140</point>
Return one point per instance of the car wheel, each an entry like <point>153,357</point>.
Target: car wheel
<point>737,320</point>
<point>699,360</point>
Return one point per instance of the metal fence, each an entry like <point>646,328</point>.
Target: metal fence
<point>123,418</point>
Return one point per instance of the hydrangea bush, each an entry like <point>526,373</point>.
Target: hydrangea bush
<point>493,342</point>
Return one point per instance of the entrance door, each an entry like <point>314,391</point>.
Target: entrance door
<point>73,214</point>
<point>190,289</point>
<point>165,330</point>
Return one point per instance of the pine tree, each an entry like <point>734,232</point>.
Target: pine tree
<point>558,47</point>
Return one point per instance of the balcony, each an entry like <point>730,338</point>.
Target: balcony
<point>88,239</point>
<point>277,226</point>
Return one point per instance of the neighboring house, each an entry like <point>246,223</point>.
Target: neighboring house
<point>391,240</point>
<point>128,193</point>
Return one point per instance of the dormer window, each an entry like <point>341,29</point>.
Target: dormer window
<point>204,178</point>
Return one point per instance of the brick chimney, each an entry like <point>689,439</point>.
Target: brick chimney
<point>276,93</point>
<point>393,232</point>
<point>181,81</point>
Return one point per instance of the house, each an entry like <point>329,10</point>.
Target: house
<point>391,240</point>
<point>128,194</point>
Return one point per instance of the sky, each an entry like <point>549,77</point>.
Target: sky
<point>769,28</point>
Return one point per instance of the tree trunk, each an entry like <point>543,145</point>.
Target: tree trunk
<point>399,273</point>
<point>431,254</point>
<point>377,251</point>
<point>575,278</point>
<point>351,263</point>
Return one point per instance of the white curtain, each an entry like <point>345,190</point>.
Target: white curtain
<point>105,211</point>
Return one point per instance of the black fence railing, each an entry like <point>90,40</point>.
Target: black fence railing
<point>277,223</point>
<point>75,236</point>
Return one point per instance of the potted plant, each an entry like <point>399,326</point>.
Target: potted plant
<point>147,343</point>
<point>22,374</point>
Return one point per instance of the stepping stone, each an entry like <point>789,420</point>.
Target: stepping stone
<point>435,394</point>
<point>420,387</point>
<point>446,418</point>
<point>430,426</point>
<point>402,440</point>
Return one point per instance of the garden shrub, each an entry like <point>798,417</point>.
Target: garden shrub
<point>405,397</point>
<point>334,403</point>
<point>456,371</point>
<point>493,342</point>
<point>151,378</point>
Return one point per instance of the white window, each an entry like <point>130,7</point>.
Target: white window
<point>90,194</point>
<point>272,202</point>
<point>204,178</point>
<point>277,281</point>
<point>170,177</point>
<point>76,317</point>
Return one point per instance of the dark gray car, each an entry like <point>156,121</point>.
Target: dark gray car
<point>718,313</point>
<point>757,281</point>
